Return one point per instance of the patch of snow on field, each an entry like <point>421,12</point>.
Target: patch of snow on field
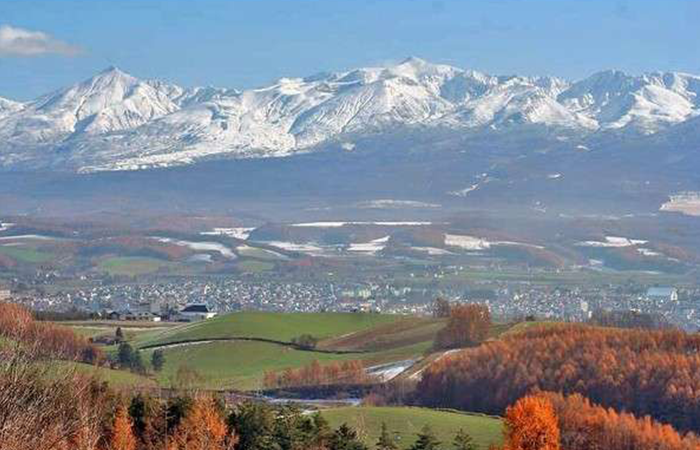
<point>4,226</point>
<point>201,246</point>
<point>433,251</point>
<point>465,191</point>
<point>295,247</point>
<point>685,203</point>
<point>342,224</point>
<point>35,237</point>
<point>613,242</point>
<point>371,247</point>
<point>389,204</point>
<point>648,252</point>
<point>466,242</point>
<point>386,372</point>
<point>241,233</point>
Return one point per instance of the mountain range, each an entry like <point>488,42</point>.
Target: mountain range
<point>114,121</point>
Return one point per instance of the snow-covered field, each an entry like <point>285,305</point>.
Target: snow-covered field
<point>395,204</point>
<point>370,247</point>
<point>342,224</point>
<point>201,246</point>
<point>466,242</point>
<point>685,202</point>
<point>386,372</point>
<point>247,250</point>
<point>613,241</point>
<point>237,232</point>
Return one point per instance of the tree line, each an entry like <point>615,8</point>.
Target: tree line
<point>645,372</point>
<point>17,324</point>
<point>549,421</point>
<point>315,374</point>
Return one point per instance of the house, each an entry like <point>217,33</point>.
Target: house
<point>144,316</point>
<point>195,312</point>
<point>5,295</point>
<point>662,294</point>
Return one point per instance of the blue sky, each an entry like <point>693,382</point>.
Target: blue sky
<point>250,43</point>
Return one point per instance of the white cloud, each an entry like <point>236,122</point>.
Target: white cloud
<point>20,42</point>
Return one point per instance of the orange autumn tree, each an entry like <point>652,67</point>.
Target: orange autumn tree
<point>531,424</point>
<point>203,429</point>
<point>122,437</point>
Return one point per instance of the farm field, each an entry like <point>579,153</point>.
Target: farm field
<point>115,378</point>
<point>131,266</point>
<point>274,326</point>
<point>25,254</point>
<point>406,422</point>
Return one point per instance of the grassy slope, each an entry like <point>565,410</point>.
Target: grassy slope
<point>275,326</point>
<point>25,255</point>
<point>241,364</point>
<point>237,365</point>
<point>405,422</point>
<point>116,378</point>
<point>131,265</point>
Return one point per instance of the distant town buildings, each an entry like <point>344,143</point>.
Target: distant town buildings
<point>662,294</point>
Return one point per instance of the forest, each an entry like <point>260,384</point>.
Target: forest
<point>644,372</point>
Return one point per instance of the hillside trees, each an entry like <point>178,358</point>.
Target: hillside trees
<point>203,428</point>
<point>468,325</point>
<point>47,340</point>
<point>314,374</point>
<point>645,372</point>
<point>531,424</point>
<point>122,435</point>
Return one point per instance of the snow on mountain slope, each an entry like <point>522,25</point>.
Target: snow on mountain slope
<point>110,101</point>
<point>647,103</point>
<point>114,121</point>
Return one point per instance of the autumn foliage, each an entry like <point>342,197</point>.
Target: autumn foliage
<point>468,325</point>
<point>203,428</point>
<point>651,373</point>
<point>49,340</point>
<point>122,435</point>
<point>314,374</point>
<point>585,426</point>
<point>531,424</point>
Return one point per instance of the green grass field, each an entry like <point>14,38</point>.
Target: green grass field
<point>131,266</point>
<point>405,422</point>
<point>115,378</point>
<point>276,326</point>
<point>253,266</point>
<point>235,365</point>
<point>25,255</point>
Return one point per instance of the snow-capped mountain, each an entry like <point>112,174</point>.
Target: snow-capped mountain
<point>115,121</point>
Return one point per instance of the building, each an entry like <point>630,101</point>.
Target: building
<point>195,312</point>
<point>662,294</point>
<point>145,316</point>
<point>5,295</point>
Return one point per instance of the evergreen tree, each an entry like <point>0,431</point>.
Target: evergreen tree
<point>122,436</point>
<point>137,363</point>
<point>386,442</point>
<point>345,438</point>
<point>463,441</point>
<point>426,440</point>
<point>158,360</point>
<point>125,355</point>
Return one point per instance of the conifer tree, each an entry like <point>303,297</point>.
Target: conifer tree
<point>122,436</point>
<point>385,442</point>
<point>463,441</point>
<point>426,440</point>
